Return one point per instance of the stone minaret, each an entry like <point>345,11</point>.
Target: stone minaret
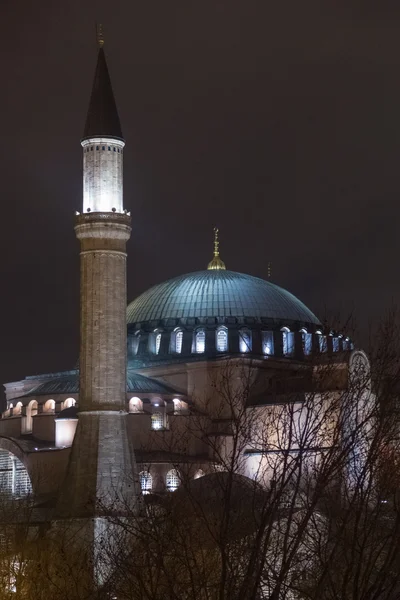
<point>101,472</point>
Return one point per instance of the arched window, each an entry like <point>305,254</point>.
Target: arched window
<point>157,420</point>
<point>135,342</point>
<point>69,402</point>
<point>49,406</point>
<point>172,480</point>
<point>158,342</point>
<point>200,341</point>
<point>31,411</point>
<point>146,482</point>
<point>199,473</point>
<point>287,341</point>
<point>306,340</point>
<point>155,342</point>
<point>268,342</point>
<point>335,344</point>
<point>14,478</point>
<point>222,339</point>
<point>176,341</point>
<point>135,405</point>
<point>322,343</point>
<point>245,340</point>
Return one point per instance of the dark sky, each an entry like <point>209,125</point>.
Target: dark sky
<point>277,121</point>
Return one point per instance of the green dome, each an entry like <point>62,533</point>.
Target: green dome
<point>218,294</point>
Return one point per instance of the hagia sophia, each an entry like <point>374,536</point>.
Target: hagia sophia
<point>147,368</point>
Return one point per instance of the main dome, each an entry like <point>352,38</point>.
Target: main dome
<point>218,294</point>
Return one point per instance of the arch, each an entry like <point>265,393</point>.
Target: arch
<point>31,411</point>
<point>68,403</point>
<point>245,340</point>
<point>135,405</point>
<point>172,480</point>
<point>49,406</point>
<point>199,473</point>
<point>221,339</point>
<point>176,340</point>
<point>199,341</point>
<point>146,482</point>
<point>17,409</point>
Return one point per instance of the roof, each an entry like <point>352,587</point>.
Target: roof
<point>218,293</point>
<point>102,117</point>
<point>69,384</point>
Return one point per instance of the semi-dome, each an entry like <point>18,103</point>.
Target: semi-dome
<point>218,294</point>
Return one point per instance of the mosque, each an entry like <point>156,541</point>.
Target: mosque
<point>146,372</point>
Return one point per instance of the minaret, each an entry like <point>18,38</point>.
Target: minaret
<point>101,474</point>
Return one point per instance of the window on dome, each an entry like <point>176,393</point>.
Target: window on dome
<point>245,340</point>
<point>335,344</point>
<point>306,340</point>
<point>268,342</point>
<point>176,341</point>
<point>172,480</point>
<point>135,343</point>
<point>146,482</point>
<point>158,342</point>
<point>200,341</point>
<point>345,343</point>
<point>222,339</point>
<point>287,341</point>
<point>135,405</point>
<point>322,343</point>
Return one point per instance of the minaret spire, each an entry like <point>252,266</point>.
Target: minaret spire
<point>216,263</point>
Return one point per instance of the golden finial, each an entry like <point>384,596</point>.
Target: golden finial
<point>216,263</point>
<point>99,35</point>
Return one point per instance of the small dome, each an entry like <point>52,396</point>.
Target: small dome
<point>218,293</point>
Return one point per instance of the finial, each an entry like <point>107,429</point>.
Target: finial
<point>216,263</point>
<point>216,242</point>
<point>269,271</point>
<point>99,35</point>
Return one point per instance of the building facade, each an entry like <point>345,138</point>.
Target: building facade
<point>146,406</point>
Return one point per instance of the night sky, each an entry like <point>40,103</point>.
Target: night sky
<point>277,121</point>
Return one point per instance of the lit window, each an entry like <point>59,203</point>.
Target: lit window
<point>158,342</point>
<point>176,341</point>
<point>323,346</point>
<point>287,341</point>
<point>157,420</point>
<point>335,344</point>
<point>135,405</point>
<point>146,482</point>
<point>135,343</point>
<point>69,402</point>
<point>200,341</point>
<point>49,406</point>
<point>222,339</point>
<point>14,478</point>
<point>268,342</point>
<point>346,343</point>
<point>245,340</point>
<point>199,473</point>
<point>306,340</point>
<point>172,480</point>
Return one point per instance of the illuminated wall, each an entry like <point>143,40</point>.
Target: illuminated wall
<point>102,175</point>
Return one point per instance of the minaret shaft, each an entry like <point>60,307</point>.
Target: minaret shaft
<point>103,237</point>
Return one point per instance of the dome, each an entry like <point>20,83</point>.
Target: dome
<point>218,294</point>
